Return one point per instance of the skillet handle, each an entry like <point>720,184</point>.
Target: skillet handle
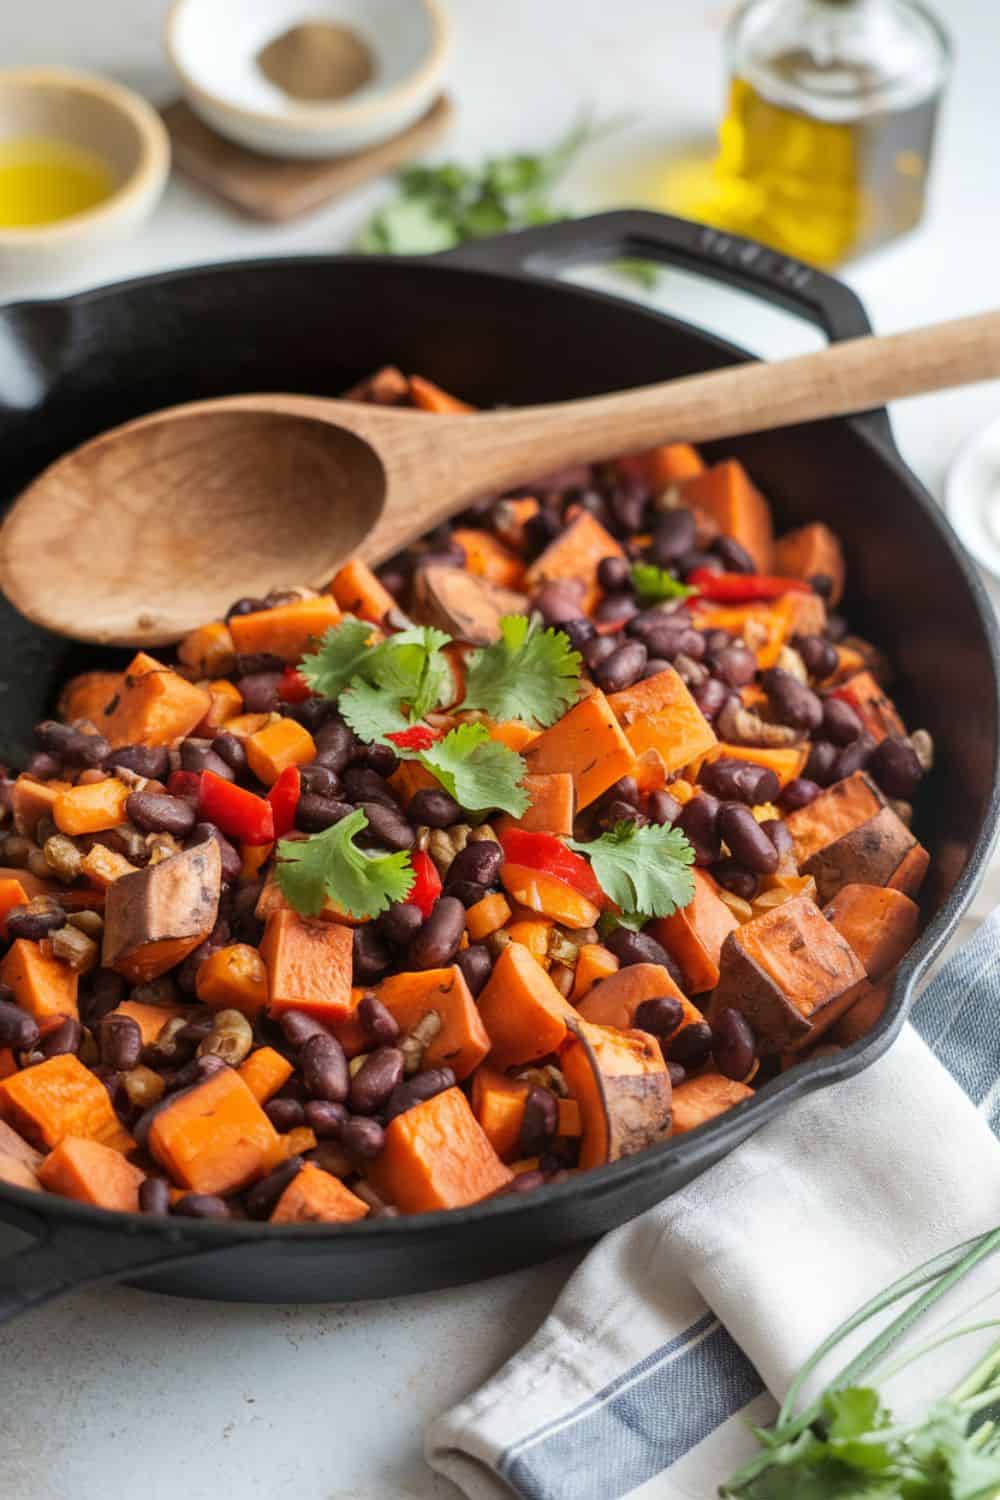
<point>829,304</point>
<point>66,1255</point>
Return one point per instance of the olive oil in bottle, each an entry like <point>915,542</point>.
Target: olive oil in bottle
<point>826,143</point>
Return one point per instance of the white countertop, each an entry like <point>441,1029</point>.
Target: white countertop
<point>113,1391</point>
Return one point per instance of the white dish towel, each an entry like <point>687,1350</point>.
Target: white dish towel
<point>681,1326</point>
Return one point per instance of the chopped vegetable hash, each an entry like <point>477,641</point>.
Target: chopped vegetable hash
<point>553,838</point>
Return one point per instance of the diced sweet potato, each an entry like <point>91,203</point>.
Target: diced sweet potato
<point>280,745</point>
<point>91,1173</point>
<point>804,614</point>
<point>15,1146</point>
<point>150,1019</point>
<point>12,893</point>
<point>589,743</point>
<point>729,495</point>
<point>789,973</point>
<point>288,631</point>
<point>575,553</point>
<point>523,1012</point>
<point>153,706</point>
<point>155,918</point>
<point>33,800</point>
<point>621,1083</point>
<point>87,697</point>
<point>908,876</point>
<point>386,387</point>
<point>694,935</point>
<point>532,933</point>
<point>16,1174</point>
<point>309,965</point>
<point>61,1097</point>
<point>879,923</point>
<point>426,396</point>
<point>594,964</point>
<point>867,1009</point>
<point>44,987</point>
<point>660,714</point>
<point>511,516</point>
<point>358,592</point>
<point>845,805</point>
<point>872,705</point>
<point>515,735</point>
<point>553,898</point>
<point>762,627</point>
<point>103,866</point>
<point>700,1099</point>
<point>552,803</point>
<point>670,463</point>
<point>233,978</point>
<point>615,1000</point>
<point>436,1156</point>
<point>225,704</point>
<point>486,557</point>
<point>469,609</point>
<point>463,1040</point>
<point>498,1105</point>
<point>214,1138</point>
<point>315,1197</point>
<point>264,1072</point>
<point>208,650</point>
<point>91,808</point>
<point>809,552</point>
<point>486,916</point>
<point>872,853</point>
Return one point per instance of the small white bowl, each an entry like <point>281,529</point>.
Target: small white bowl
<point>213,46</point>
<point>112,121</point>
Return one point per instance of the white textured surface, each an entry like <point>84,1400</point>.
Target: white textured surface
<point>111,1391</point>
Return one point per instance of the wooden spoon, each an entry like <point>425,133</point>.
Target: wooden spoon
<point>154,527</point>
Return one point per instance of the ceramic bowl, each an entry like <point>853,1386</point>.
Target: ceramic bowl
<point>214,44</point>
<point>107,119</point>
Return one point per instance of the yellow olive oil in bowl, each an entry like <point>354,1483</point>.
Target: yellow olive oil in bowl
<point>44,180</point>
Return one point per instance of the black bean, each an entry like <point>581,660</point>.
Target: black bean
<point>436,944</point>
<point>821,584</point>
<point>319,781</point>
<point>362,784</point>
<point>433,808</point>
<point>263,1197</point>
<point>614,575</point>
<point>157,812</point>
<point>198,756</point>
<point>259,691</point>
<point>362,1137</point>
<point>616,607</point>
<point>819,766</point>
<point>375,1080</point>
<point>120,1041</point>
<point>559,601</point>
<point>819,656</point>
<point>62,1039</point>
<point>313,813</point>
<point>791,701</point>
<point>841,724</point>
<point>853,757</point>
<point>285,1114</point>
<point>799,792</point>
<point>660,1016</point>
<point>654,666</point>
<point>734,665</point>
<point>691,1046</point>
<point>622,668</point>
<point>201,1206</point>
<point>476,965</point>
<point>230,749</point>
<point>662,808</point>
<point>711,696</point>
<point>734,555</point>
<point>400,923</point>
<point>372,958</point>
<point>469,892</point>
<point>677,1074</point>
<point>151,761</point>
<point>895,767</point>
<point>313,713</point>
<point>325,1118</point>
<point>673,537</point>
<point>597,650</point>
<point>613,813</point>
<point>102,991</point>
<point>416,1090</point>
<point>638,948</point>
<point>736,878</point>
<point>196,1072</point>
<point>295,1089</point>
<point>733,1045</point>
<point>324,1068</point>
<point>251,663</point>
<point>17,1029</point>
<point>780,837</point>
<point>154,1196</point>
<point>649,623</point>
<point>525,1182</point>
<point>232,865</point>
<point>739,780</point>
<point>625,789</point>
<point>34,924</point>
<point>699,823</point>
<point>387,828</point>
<point>741,831</point>
<point>72,746</point>
<point>539,530</point>
<point>381,759</point>
<point>579,632</point>
<point>246,606</point>
<point>479,862</point>
<point>378,1023</point>
<point>627,501</point>
<point>43,767</point>
<point>696,561</point>
<point>336,744</point>
<point>539,1121</point>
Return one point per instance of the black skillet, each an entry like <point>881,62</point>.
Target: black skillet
<point>487,321</point>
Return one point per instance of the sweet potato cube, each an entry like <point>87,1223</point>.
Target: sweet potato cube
<point>498,1105</point>
<point>103,866</point>
<point>309,965</point>
<point>225,703</point>
<point>575,553</point>
<point>615,1000</point>
<point>785,763</point>
<point>150,1019</point>
<point>16,1174</point>
<point>700,1099</point>
<point>487,915</point>
<point>91,808</point>
<point>289,631</point>
<point>812,551</point>
<point>45,987</point>
<point>548,895</point>
<point>91,1173</point>
<point>486,557</point>
<point>908,876</point>
<point>523,1012</point>
<point>316,1197</point>
<point>87,697</point>
<point>660,714</point>
<point>462,1041</point>
<point>881,851</point>
<point>437,1156</point>
<point>867,1009</point>
<point>589,743</point>
<point>155,918</point>
<point>879,923</point>
<point>153,706</point>
<point>208,650</point>
<point>790,973</point>
<point>553,803</point>
<point>15,1146</point>
<point>426,396</point>
<point>214,1138</point>
<point>694,935</point>
<point>358,592</point>
<point>233,978</point>
<point>620,1081</point>
<point>843,806</point>
<point>595,962</point>
<point>12,893</point>
<point>33,800</point>
<point>264,1072</point>
<point>61,1097</point>
<point>873,707</point>
<point>280,745</point>
<point>731,498</point>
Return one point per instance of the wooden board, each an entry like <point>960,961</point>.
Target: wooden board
<point>277,189</point>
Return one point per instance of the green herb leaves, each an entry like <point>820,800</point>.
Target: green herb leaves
<point>342,654</point>
<point>480,773</point>
<point>653,584</point>
<point>330,866</point>
<point>530,674</point>
<point>644,871</point>
<point>381,687</point>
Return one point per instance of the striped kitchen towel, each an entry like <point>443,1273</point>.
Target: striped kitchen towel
<point>681,1327</point>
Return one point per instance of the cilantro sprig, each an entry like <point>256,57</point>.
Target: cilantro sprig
<point>384,686</point>
<point>653,585</point>
<point>480,773</point>
<point>330,866</point>
<point>645,871</point>
<point>529,673</point>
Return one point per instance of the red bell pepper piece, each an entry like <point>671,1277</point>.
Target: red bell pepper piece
<point>427,883</point>
<point>284,799</point>
<point>292,688</point>
<point>743,588</point>
<point>186,784</point>
<point>237,812</point>
<point>545,852</point>
<point>417,737</point>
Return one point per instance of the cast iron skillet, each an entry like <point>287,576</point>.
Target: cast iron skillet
<point>487,323</point>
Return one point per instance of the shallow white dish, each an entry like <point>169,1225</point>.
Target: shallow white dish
<point>213,46</point>
<point>972,497</point>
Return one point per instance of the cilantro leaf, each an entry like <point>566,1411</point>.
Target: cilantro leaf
<point>479,772</point>
<point>371,713</point>
<point>330,866</point>
<point>642,870</point>
<point>341,653</point>
<point>529,673</point>
<point>381,687</point>
<point>410,667</point>
<point>654,584</point>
